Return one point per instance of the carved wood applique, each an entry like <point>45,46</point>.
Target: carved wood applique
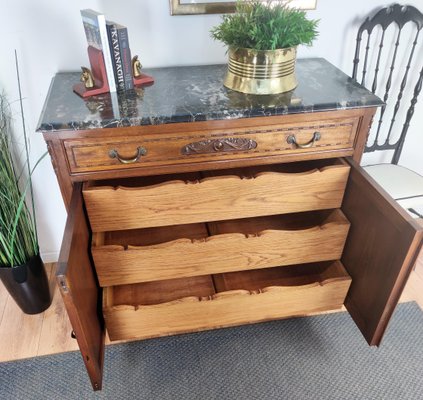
<point>219,145</point>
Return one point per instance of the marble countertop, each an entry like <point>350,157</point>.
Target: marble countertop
<point>196,93</point>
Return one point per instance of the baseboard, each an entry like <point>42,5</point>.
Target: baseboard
<point>50,257</point>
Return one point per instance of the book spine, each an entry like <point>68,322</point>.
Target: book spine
<point>106,52</point>
<point>125,54</point>
<point>116,56</point>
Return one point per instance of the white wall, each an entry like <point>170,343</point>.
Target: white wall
<point>49,37</point>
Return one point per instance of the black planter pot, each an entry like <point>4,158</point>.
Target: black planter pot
<point>28,285</point>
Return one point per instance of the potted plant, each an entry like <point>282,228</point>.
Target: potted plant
<point>21,268</point>
<point>263,37</point>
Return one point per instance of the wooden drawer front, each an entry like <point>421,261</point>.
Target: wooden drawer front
<point>192,304</point>
<point>99,154</point>
<point>188,250</point>
<point>246,194</point>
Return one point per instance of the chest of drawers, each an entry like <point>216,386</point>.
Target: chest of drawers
<point>215,216</point>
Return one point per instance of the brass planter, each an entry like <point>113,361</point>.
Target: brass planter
<point>261,71</point>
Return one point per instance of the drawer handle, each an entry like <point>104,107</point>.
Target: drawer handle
<point>141,151</point>
<point>292,140</point>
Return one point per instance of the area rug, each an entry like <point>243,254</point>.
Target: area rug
<point>322,357</point>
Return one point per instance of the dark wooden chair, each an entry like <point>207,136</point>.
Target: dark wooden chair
<point>389,62</point>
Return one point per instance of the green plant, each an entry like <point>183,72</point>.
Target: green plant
<point>18,233</point>
<point>265,25</point>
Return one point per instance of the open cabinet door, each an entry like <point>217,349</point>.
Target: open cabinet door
<point>80,290</point>
<point>380,251</point>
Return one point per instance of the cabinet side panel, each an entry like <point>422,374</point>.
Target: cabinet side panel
<point>60,167</point>
<point>366,121</point>
<point>80,290</point>
<point>379,254</point>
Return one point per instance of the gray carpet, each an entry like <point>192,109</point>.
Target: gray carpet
<point>323,357</point>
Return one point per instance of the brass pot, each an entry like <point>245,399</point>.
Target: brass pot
<point>261,71</point>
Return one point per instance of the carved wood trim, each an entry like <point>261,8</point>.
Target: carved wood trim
<point>219,146</point>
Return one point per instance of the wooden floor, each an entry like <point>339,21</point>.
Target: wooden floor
<point>23,336</point>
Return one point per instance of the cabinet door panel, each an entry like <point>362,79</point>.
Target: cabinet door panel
<point>80,290</point>
<point>379,254</point>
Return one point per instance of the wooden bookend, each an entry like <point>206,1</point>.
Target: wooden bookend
<point>98,70</point>
<point>143,80</point>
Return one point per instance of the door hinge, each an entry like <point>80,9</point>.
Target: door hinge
<point>63,286</point>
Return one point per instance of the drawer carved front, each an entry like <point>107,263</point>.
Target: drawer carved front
<point>99,154</point>
<point>237,298</point>
<point>220,195</point>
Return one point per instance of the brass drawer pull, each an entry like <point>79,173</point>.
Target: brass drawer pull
<point>141,151</point>
<point>292,140</point>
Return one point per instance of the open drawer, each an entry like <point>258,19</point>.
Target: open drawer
<point>123,257</point>
<point>213,301</point>
<point>219,195</point>
<point>379,253</point>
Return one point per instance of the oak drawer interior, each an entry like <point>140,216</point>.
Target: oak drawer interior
<point>205,302</point>
<point>141,255</point>
<point>217,195</point>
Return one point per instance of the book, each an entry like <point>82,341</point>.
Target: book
<point>125,53</point>
<point>121,55</point>
<point>113,36</point>
<point>96,33</point>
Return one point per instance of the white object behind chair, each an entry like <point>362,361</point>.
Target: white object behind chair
<point>403,184</point>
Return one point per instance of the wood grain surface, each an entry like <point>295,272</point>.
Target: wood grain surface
<point>89,155</point>
<point>62,145</point>
<point>380,252</point>
<point>215,198</point>
<point>79,289</point>
<point>232,245</point>
<point>319,288</point>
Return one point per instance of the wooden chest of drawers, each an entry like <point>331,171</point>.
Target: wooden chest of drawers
<point>199,225</point>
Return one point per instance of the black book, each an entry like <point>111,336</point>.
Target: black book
<point>113,37</point>
<point>121,55</point>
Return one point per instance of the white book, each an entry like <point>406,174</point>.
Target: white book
<point>96,33</point>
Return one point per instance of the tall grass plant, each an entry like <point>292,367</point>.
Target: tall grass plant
<point>18,233</point>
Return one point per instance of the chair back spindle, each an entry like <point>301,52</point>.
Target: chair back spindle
<point>396,16</point>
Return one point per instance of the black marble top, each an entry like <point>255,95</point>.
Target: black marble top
<point>188,94</point>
